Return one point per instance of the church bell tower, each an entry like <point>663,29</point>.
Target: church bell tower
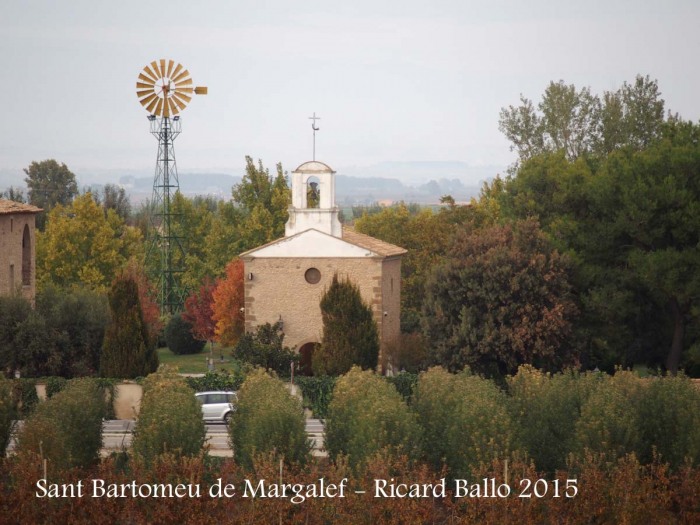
<point>313,201</point>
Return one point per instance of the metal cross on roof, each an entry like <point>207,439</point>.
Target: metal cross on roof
<point>315,128</point>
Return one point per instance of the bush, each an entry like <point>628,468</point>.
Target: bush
<point>220,380</point>
<point>269,420</point>
<point>669,419</point>
<point>54,385</point>
<point>8,414</point>
<point>179,338</point>
<point>367,415</point>
<point>609,422</point>
<point>317,392</point>
<point>265,348</point>
<point>170,420</point>
<point>405,383</point>
<point>67,428</point>
<point>14,310</point>
<point>465,420</point>
<point>546,408</point>
<point>24,394</point>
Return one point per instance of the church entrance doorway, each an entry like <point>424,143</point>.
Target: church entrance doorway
<point>305,355</point>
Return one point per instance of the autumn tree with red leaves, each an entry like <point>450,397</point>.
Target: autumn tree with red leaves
<point>502,298</point>
<point>199,312</point>
<point>228,304</point>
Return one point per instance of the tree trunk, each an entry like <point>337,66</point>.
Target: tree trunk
<point>674,356</point>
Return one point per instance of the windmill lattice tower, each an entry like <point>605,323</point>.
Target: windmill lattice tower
<point>165,88</point>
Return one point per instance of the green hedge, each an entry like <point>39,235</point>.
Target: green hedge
<point>67,428</point>
<point>269,420</point>
<point>317,392</point>
<point>466,421</point>
<point>221,380</point>
<point>368,416</point>
<point>170,420</point>
<point>8,414</point>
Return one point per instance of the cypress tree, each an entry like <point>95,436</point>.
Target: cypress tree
<point>127,351</point>
<point>350,335</point>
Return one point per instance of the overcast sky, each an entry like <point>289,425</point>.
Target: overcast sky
<point>391,80</point>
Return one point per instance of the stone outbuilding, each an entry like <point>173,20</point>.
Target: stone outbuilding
<point>18,248</point>
<point>286,279</point>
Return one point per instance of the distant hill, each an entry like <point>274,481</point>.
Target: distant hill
<point>421,182</point>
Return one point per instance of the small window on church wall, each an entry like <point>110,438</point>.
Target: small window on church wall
<point>312,276</point>
<point>313,193</point>
<point>26,257</point>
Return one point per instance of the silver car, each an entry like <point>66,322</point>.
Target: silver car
<point>217,406</point>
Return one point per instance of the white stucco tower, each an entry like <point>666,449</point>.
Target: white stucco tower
<point>324,217</point>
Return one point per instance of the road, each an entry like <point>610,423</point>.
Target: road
<point>117,435</point>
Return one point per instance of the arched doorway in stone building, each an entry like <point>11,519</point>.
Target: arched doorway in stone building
<point>306,353</point>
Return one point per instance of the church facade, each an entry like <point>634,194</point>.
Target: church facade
<point>286,279</point>
<point>18,248</point>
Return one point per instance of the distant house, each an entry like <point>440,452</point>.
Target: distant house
<point>18,248</point>
<point>285,279</point>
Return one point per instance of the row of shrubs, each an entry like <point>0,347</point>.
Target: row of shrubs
<point>462,420</point>
<point>456,421</point>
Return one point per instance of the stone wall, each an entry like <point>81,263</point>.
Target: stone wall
<point>279,289</point>
<point>17,270</point>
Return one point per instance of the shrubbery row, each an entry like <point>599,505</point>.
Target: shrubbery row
<point>464,421</point>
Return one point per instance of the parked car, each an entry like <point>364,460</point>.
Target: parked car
<point>217,406</point>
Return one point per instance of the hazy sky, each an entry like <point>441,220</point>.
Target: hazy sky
<point>392,80</point>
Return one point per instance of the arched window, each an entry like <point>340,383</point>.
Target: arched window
<point>313,192</point>
<point>26,257</point>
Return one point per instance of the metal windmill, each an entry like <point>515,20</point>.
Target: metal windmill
<point>165,88</point>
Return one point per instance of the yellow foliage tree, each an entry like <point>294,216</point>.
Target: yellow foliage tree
<point>84,245</point>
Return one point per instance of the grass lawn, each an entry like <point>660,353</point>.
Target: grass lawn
<point>193,363</point>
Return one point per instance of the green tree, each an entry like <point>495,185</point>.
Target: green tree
<point>8,414</point>
<point>115,198</point>
<point>367,416</point>
<point>465,420</point>
<point>265,348</point>
<point>269,420</point>
<point>264,200</point>
<point>14,311</point>
<point>179,336</point>
<point>502,298</point>
<point>66,429</point>
<point>170,420</point>
<point>425,236</point>
<point>50,184</point>
<point>652,218</point>
<point>350,335</point>
<point>630,222</point>
<point>83,245</point>
<point>127,351</point>
<point>546,408</point>
<point>14,194</point>
<point>578,123</point>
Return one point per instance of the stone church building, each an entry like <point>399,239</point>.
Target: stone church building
<point>17,248</point>
<point>285,279</point>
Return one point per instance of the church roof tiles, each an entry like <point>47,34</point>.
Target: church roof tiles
<point>7,207</point>
<point>370,243</point>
